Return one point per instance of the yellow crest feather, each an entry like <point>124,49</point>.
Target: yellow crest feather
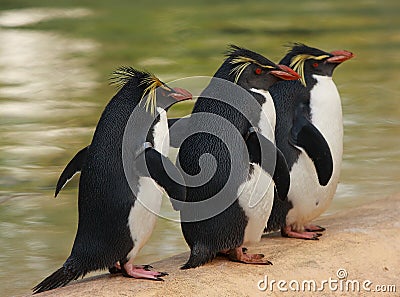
<point>125,74</point>
<point>152,83</point>
<point>122,76</point>
<point>242,63</point>
<point>297,64</point>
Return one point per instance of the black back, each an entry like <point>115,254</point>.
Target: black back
<point>287,96</point>
<point>105,198</point>
<point>224,230</point>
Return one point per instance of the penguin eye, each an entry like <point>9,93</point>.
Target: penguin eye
<point>315,64</point>
<point>258,71</point>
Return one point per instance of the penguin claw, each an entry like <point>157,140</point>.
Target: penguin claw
<point>288,232</point>
<point>255,261</point>
<point>316,236</point>
<point>314,228</point>
<point>237,255</point>
<point>147,267</point>
<point>311,237</point>
<point>142,271</point>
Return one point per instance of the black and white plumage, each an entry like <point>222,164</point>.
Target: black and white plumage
<point>309,132</point>
<point>113,223</point>
<point>250,128</point>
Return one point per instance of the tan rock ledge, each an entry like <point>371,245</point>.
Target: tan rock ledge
<point>363,241</point>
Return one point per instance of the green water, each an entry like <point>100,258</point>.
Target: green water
<point>56,57</point>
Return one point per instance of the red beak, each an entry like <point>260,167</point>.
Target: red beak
<point>340,56</point>
<point>286,73</point>
<point>180,94</point>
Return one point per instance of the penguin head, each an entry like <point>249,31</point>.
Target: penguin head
<point>145,88</point>
<point>252,70</point>
<point>309,61</point>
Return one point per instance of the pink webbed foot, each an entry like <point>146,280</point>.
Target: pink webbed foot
<point>142,271</point>
<point>288,232</point>
<point>118,269</point>
<point>314,228</point>
<point>239,255</point>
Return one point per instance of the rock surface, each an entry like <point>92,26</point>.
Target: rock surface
<point>364,241</point>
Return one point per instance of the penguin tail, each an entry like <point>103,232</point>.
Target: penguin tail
<point>59,278</point>
<point>199,257</point>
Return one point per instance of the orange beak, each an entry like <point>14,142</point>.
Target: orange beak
<point>285,73</point>
<point>180,94</point>
<point>340,56</point>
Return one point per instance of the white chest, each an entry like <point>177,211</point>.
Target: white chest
<point>267,120</point>
<point>326,114</point>
<point>161,133</point>
<point>143,215</point>
<point>256,198</point>
<point>309,198</point>
<point>256,195</point>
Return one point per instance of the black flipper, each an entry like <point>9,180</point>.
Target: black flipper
<point>74,166</point>
<point>281,175</point>
<point>305,135</point>
<point>271,160</point>
<point>177,135</point>
<point>165,174</point>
